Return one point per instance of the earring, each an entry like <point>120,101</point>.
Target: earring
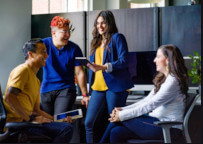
<point>167,68</point>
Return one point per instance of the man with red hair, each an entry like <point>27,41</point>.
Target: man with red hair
<point>58,91</point>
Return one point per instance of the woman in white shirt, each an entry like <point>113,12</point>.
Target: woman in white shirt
<point>166,101</point>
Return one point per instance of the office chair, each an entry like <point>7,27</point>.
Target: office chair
<point>167,125</point>
<point>17,131</point>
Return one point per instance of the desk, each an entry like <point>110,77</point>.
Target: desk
<point>142,88</point>
<point>135,98</point>
<point>147,87</point>
<point>150,87</point>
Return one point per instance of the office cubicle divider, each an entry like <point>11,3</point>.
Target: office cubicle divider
<point>40,26</point>
<point>145,29</point>
<point>181,25</point>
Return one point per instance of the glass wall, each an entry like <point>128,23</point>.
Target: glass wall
<point>57,6</point>
<point>60,6</point>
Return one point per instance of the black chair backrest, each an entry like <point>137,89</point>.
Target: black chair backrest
<point>2,113</point>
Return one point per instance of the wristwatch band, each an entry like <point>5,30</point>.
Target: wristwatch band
<point>85,95</point>
<point>32,117</point>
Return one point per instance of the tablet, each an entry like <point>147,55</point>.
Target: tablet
<point>75,114</point>
<point>83,60</point>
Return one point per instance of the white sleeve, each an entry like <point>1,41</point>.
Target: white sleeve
<point>164,95</point>
<point>109,67</point>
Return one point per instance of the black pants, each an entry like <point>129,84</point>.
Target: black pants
<point>58,101</point>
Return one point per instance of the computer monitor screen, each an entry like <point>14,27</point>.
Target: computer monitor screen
<point>142,67</point>
<point>64,115</point>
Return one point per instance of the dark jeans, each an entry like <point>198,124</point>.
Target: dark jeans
<point>137,128</point>
<point>61,132</point>
<point>58,101</point>
<point>96,106</point>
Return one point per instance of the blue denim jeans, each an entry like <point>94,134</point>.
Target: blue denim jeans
<point>61,132</point>
<point>96,106</point>
<point>138,128</point>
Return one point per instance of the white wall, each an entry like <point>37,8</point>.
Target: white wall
<point>15,30</point>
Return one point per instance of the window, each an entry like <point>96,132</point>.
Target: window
<point>62,6</point>
<point>40,7</point>
<point>57,6</point>
<point>75,5</point>
<point>134,5</point>
<point>146,5</point>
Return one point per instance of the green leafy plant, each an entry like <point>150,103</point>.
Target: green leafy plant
<point>195,72</point>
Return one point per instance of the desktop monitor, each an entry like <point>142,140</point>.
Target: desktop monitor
<point>142,67</point>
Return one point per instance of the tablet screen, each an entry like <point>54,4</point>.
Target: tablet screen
<point>62,116</point>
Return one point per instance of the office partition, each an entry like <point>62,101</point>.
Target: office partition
<point>139,26</point>
<point>41,26</point>
<point>181,25</point>
<point>145,29</point>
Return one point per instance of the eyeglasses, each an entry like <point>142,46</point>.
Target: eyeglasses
<point>70,31</point>
<point>64,31</point>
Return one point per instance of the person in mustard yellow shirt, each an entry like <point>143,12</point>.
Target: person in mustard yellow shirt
<point>109,78</point>
<point>22,95</point>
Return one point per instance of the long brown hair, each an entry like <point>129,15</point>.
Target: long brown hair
<point>176,67</point>
<point>111,29</point>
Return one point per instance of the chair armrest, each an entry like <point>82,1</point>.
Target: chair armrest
<point>21,125</point>
<point>4,136</point>
<point>168,123</point>
<point>13,126</point>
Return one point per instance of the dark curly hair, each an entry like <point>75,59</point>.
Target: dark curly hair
<point>111,29</point>
<point>176,67</point>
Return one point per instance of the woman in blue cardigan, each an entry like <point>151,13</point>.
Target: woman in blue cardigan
<point>109,78</point>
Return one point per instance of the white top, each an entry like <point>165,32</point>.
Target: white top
<point>166,105</point>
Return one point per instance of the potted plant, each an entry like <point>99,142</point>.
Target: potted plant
<point>195,72</point>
